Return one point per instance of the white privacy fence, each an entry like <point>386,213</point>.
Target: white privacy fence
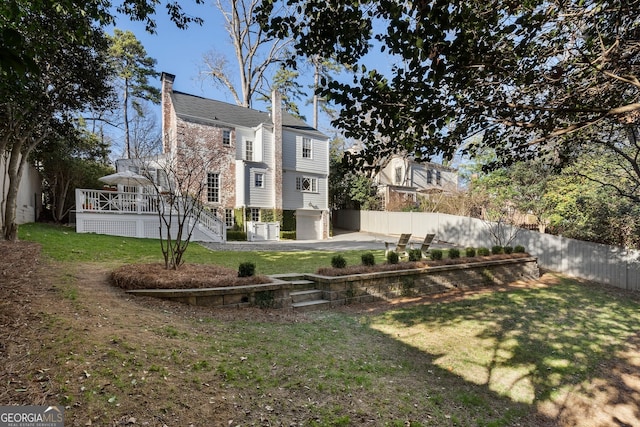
<point>612,265</point>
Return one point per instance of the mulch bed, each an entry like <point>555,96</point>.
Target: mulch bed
<point>408,265</point>
<point>187,276</point>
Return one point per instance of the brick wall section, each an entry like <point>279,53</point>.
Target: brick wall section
<point>168,114</point>
<point>206,141</point>
<point>215,157</point>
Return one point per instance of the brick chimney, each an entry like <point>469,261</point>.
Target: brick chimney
<point>168,116</point>
<point>276,116</point>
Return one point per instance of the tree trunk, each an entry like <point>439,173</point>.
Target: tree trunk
<point>10,227</point>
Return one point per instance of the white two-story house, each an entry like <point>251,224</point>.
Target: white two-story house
<point>265,167</point>
<point>403,179</point>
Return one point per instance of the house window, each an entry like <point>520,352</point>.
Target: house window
<point>229,218</point>
<point>306,184</point>
<point>438,178</point>
<point>226,137</point>
<point>429,177</point>
<point>259,180</point>
<point>306,148</point>
<point>213,187</point>
<point>398,177</point>
<point>255,214</point>
<point>248,150</point>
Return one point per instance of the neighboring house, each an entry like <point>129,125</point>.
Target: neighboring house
<point>29,204</point>
<point>267,165</point>
<point>403,179</point>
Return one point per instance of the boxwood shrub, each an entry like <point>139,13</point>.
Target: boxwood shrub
<point>393,257</point>
<point>338,261</point>
<point>482,251</point>
<point>436,254</point>
<point>470,252</point>
<point>415,255</point>
<point>246,269</point>
<point>519,249</point>
<point>368,259</point>
<point>454,253</point>
<point>496,249</point>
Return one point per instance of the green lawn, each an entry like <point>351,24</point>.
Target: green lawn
<point>64,244</point>
<point>501,358</point>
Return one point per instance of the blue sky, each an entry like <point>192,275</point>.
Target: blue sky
<point>180,52</point>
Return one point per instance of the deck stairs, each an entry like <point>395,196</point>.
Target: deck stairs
<point>304,295</point>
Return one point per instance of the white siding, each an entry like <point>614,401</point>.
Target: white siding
<point>292,154</point>
<point>28,203</point>
<point>242,135</point>
<point>259,196</point>
<point>240,184</point>
<point>295,199</point>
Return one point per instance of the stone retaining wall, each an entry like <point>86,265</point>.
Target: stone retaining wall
<point>359,288</point>
<point>431,280</point>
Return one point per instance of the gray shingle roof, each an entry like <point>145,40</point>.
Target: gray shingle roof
<point>207,111</point>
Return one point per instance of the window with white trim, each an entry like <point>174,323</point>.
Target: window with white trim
<point>307,148</point>
<point>255,214</point>
<point>306,184</point>
<point>429,176</point>
<point>248,150</point>
<point>259,180</point>
<point>438,178</point>
<point>226,137</point>
<point>213,187</point>
<point>229,218</point>
<point>398,176</point>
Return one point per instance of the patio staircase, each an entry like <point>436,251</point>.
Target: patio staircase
<point>304,295</point>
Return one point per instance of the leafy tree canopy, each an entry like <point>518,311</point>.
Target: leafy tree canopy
<point>523,75</point>
<point>18,55</point>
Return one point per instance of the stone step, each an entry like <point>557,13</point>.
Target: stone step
<point>305,295</point>
<point>302,282</point>
<point>310,305</point>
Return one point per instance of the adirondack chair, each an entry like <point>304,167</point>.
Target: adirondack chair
<point>401,246</point>
<point>428,239</point>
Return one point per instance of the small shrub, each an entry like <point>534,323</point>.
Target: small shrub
<point>454,253</point>
<point>288,235</point>
<point>236,235</point>
<point>484,251</point>
<point>470,252</point>
<point>436,254</point>
<point>519,249</point>
<point>246,269</point>
<point>393,258</point>
<point>368,259</point>
<point>415,255</point>
<point>508,249</point>
<point>496,249</point>
<point>338,261</point>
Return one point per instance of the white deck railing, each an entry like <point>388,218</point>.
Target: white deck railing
<point>114,202</point>
<point>132,214</point>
